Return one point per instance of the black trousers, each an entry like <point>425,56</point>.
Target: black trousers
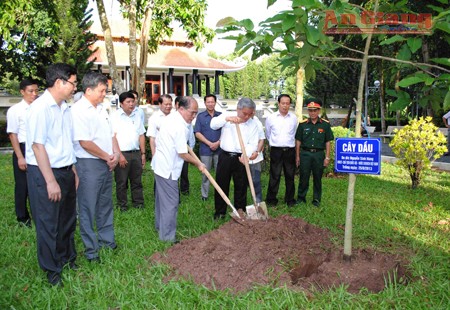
<point>229,167</point>
<point>20,189</point>
<point>184,179</point>
<point>133,173</point>
<point>55,222</point>
<point>281,159</point>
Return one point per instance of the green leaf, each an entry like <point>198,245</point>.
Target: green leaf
<point>435,8</point>
<point>226,21</point>
<point>270,3</point>
<point>305,3</point>
<point>444,26</point>
<point>393,39</point>
<point>404,53</point>
<point>441,61</point>
<point>312,35</point>
<point>410,81</point>
<point>414,44</point>
<point>247,24</point>
<point>288,22</point>
<point>447,101</point>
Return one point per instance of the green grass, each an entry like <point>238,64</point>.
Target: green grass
<point>388,217</point>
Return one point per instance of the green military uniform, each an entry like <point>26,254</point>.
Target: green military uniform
<point>313,138</point>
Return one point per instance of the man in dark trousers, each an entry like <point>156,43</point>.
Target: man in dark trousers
<point>280,132</point>
<point>51,177</point>
<point>312,148</point>
<point>231,162</point>
<point>17,131</point>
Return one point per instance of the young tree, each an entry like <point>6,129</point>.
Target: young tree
<point>300,30</point>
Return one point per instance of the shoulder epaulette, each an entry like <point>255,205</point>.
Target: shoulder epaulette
<point>303,121</point>
<point>325,120</point>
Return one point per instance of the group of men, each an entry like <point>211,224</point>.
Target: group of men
<point>64,157</point>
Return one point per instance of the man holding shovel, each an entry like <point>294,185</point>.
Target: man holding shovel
<point>170,153</point>
<point>230,163</point>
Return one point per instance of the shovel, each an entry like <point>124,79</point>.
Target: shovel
<point>235,214</point>
<point>257,211</point>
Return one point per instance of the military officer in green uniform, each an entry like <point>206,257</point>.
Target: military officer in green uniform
<point>312,149</point>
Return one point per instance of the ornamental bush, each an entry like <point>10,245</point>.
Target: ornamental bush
<point>416,145</point>
<point>338,132</point>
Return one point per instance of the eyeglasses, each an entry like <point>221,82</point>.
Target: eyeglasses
<point>74,84</point>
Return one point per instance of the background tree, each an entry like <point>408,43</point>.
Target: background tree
<point>155,20</point>
<point>34,34</point>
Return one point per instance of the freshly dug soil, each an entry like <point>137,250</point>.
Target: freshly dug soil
<point>281,251</point>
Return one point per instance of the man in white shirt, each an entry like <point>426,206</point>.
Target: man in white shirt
<point>154,122</point>
<point>230,163</point>
<point>16,120</point>
<point>129,131</point>
<point>280,132</point>
<point>51,176</point>
<point>97,155</point>
<point>167,162</point>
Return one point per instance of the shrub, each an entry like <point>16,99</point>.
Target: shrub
<point>416,145</point>
<point>338,132</point>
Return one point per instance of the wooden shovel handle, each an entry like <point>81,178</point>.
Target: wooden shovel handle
<point>211,179</point>
<point>246,164</point>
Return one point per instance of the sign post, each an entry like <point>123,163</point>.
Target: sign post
<point>358,155</point>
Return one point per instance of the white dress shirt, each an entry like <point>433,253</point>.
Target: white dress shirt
<point>154,123</point>
<point>50,125</point>
<point>127,128</point>
<point>91,124</point>
<point>280,130</point>
<point>229,141</point>
<point>16,119</point>
<point>170,142</point>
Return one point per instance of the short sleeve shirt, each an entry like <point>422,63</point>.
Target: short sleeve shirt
<point>127,129</point>
<point>203,126</point>
<point>16,118</point>
<point>314,136</point>
<point>91,124</point>
<point>50,125</point>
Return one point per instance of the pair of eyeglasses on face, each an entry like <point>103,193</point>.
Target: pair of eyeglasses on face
<point>74,84</point>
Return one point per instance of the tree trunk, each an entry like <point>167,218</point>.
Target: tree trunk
<point>133,46</point>
<point>300,86</point>
<point>397,89</point>
<point>144,47</point>
<point>117,80</point>
<point>426,59</point>
<point>352,176</point>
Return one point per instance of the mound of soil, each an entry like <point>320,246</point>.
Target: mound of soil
<point>278,252</point>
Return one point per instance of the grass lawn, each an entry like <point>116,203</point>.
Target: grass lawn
<point>388,217</point>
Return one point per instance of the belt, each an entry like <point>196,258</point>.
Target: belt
<point>312,150</point>
<point>284,149</point>
<point>232,154</point>
<point>132,151</point>
<point>69,167</point>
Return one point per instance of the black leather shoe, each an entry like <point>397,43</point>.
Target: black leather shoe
<point>219,216</point>
<point>316,203</point>
<point>204,198</point>
<point>54,278</point>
